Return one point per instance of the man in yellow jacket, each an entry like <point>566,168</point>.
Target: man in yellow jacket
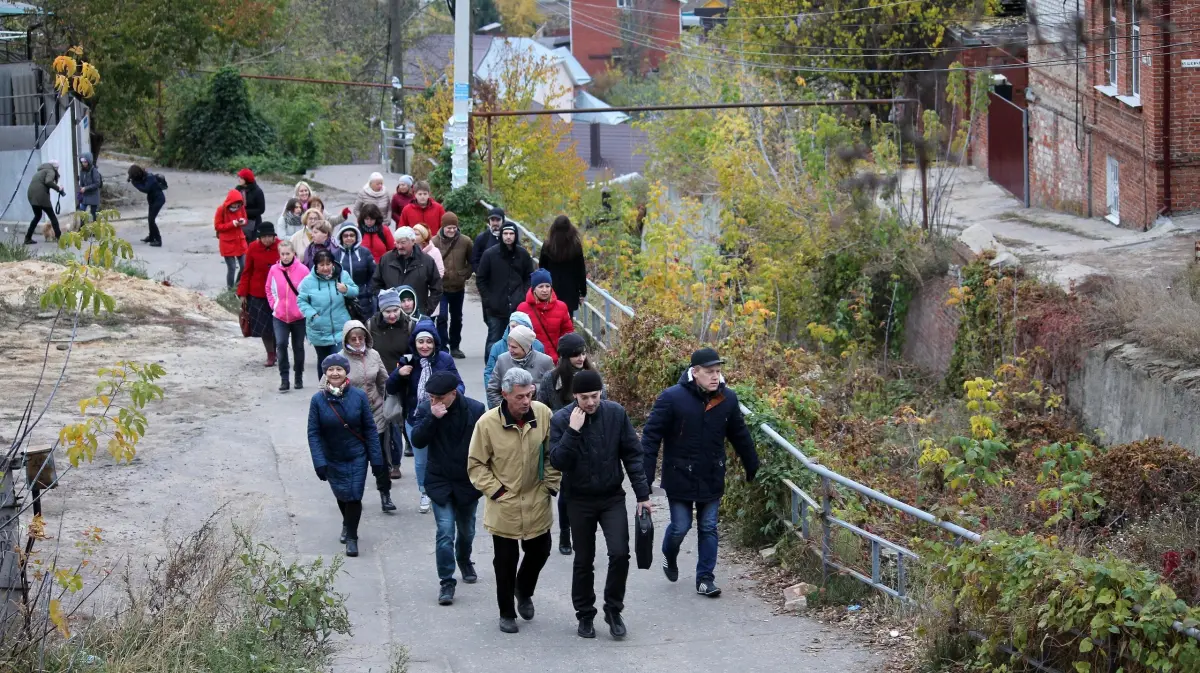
<point>509,463</point>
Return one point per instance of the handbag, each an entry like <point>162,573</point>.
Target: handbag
<point>644,540</point>
<point>393,408</point>
<point>244,320</point>
<point>353,309</point>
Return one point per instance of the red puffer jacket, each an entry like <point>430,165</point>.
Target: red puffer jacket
<point>431,216</point>
<point>229,231</point>
<point>259,260</point>
<point>551,319</point>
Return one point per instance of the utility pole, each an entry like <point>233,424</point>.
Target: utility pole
<point>398,16</point>
<point>457,127</point>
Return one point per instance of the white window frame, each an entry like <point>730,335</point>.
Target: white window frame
<point>1112,60</point>
<point>624,4</point>
<point>1135,51</point>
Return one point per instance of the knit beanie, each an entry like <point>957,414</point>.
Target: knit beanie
<point>521,318</point>
<point>336,360</point>
<point>389,299</point>
<point>539,277</point>
<point>523,336</point>
<point>426,333</point>
<point>586,381</point>
<point>441,383</point>
<point>449,219</point>
<point>509,225</point>
<point>570,345</point>
<point>406,180</point>
<point>246,174</point>
<point>421,231</point>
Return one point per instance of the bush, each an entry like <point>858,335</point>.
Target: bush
<point>220,125</point>
<point>263,164</point>
<point>1161,316</point>
<point>229,300</point>
<point>1144,477</point>
<point>463,201</point>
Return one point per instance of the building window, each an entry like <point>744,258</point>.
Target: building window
<point>1111,19</point>
<point>624,4</point>
<point>1135,51</point>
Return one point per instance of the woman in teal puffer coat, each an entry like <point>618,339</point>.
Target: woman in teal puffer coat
<point>322,300</point>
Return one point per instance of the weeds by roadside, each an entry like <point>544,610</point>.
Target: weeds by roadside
<point>1162,316</point>
<point>229,300</point>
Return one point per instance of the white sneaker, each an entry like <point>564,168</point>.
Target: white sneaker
<point>424,504</point>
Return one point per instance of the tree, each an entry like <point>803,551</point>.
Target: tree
<point>221,125</point>
<point>520,18</point>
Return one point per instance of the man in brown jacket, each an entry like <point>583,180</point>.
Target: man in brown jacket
<point>456,258</point>
<point>508,462</point>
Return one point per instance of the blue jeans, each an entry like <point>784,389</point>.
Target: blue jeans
<point>706,534</point>
<point>285,332</point>
<point>396,441</point>
<point>450,319</point>
<point>452,549</point>
<point>420,457</point>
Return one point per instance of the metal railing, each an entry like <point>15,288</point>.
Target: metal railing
<point>597,319</point>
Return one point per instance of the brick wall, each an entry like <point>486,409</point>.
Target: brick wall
<point>597,26</point>
<point>931,327</point>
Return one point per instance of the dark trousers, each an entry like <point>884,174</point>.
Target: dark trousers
<point>93,209</point>
<point>37,217</point>
<point>233,269</point>
<point>351,515</point>
<point>450,319</point>
<point>322,353</point>
<point>495,330</point>
<point>512,581</point>
<point>564,517</point>
<point>609,513</point>
<point>284,332</point>
<point>152,218</point>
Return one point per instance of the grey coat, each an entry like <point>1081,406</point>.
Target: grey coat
<point>44,180</point>
<point>539,364</point>
<point>90,182</point>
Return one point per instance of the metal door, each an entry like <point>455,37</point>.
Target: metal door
<point>1113,190</point>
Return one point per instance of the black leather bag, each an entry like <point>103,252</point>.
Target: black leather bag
<point>643,540</point>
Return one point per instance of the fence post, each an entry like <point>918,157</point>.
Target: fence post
<point>900,578</point>
<point>826,531</point>
<point>607,322</point>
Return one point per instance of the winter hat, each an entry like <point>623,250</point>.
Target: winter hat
<point>406,233</point>
<point>246,174</point>
<point>570,345</point>
<point>266,229</point>
<point>375,176</point>
<point>389,299</point>
<point>336,360</point>
<point>440,383</point>
<point>523,336</point>
<point>539,277</point>
<point>496,212</point>
<point>449,219</point>
<point>509,226</point>
<point>406,180</point>
<point>521,318</point>
<point>427,333</point>
<point>421,231</point>
<point>586,381</point>
<point>706,357</point>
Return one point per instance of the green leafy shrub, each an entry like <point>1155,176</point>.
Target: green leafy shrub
<point>263,164</point>
<point>464,201</point>
<point>220,125</point>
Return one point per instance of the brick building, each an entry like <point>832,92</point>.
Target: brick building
<point>636,34</point>
<point>1114,112</point>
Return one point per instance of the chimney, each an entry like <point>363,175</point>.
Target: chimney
<point>595,160</point>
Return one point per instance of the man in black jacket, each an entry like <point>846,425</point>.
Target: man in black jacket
<point>444,424</point>
<point>503,280</point>
<point>407,265</point>
<point>589,441</point>
<point>487,238</point>
<point>691,421</point>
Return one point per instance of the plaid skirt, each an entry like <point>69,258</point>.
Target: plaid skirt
<point>260,317</point>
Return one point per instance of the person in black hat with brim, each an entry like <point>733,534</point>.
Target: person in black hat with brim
<point>487,238</point>
<point>691,421</point>
<point>590,440</point>
<point>444,424</point>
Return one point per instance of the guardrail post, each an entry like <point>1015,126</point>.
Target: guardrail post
<point>804,519</point>
<point>900,578</point>
<point>607,322</point>
<point>826,530</point>
<point>875,573</point>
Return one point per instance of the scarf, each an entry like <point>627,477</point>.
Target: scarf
<point>289,263</point>
<point>371,192</point>
<point>426,372</point>
<point>291,220</point>
<point>523,363</point>
<point>337,392</point>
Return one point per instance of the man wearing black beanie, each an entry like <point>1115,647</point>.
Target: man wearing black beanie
<point>590,439</point>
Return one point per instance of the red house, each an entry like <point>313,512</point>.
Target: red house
<point>635,34</point>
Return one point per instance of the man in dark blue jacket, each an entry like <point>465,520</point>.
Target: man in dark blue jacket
<point>444,424</point>
<point>692,420</point>
<point>590,440</point>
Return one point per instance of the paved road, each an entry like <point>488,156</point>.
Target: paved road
<point>392,586</point>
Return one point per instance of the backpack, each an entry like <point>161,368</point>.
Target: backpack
<point>162,182</point>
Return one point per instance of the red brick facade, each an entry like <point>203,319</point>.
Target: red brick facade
<point>638,30</point>
<point>1079,130</point>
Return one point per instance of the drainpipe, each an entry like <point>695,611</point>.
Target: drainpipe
<point>1166,113</point>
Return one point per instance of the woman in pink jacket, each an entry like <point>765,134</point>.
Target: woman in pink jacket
<point>283,283</point>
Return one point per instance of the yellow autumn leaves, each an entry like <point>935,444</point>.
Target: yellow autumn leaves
<point>72,73</point>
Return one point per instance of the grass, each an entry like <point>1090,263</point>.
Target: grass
<point>1156,314</point>
<point>16,251</point>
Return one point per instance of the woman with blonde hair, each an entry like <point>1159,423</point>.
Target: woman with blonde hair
<point>304,238</point>
<point>426,243</point>
<point>322,239</point>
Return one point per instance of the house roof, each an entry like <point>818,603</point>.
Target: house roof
<point>501,46</point>
<point>585,100</point>
<point>620,149</point>
<point>426,59</point>
<point>578,75</point>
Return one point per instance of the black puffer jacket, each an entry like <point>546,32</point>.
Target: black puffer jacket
<point>256,205</point>
<point>449,442</point>
<point>692,426</point>
<point>503,278</point>
<point>591,458</point>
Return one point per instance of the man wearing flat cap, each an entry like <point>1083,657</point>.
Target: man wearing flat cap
<point>691,421</point>
<point>590,440</point>
<point>444,423</point>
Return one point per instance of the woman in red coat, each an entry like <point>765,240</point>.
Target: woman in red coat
<point>376,236</point>
<point>252,288</point>
<point>403,196</point>
<point>550,316</point>
<point>228,222</point>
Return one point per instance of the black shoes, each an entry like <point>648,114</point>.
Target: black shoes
<point>708,588</point>
<point>670,570</point>
<point>147,239</point>
<point>408,451</point>
<point>299,381</point>
<point>616,626</point>
<point>446,594</point>
<point>155,244</point>
<point>508,625</point>
<point>525,608</point>
<point>564,543</point>
<point>386,500</point>
<point>285,386</point>
<point>342,539</point>
<point>30,241</point>
<point>351,546</point>
<point>586,628</point>
<point>468,573</point>
<point>457,354</point>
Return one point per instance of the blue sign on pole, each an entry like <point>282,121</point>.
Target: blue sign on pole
<point>461,91</point>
